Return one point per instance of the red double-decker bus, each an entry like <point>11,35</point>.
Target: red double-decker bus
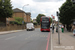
<point>45,24</point>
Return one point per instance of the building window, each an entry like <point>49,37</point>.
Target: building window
<point>25,18</point>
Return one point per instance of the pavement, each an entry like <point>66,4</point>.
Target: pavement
<point>67,41</point>
<point>12,31</point>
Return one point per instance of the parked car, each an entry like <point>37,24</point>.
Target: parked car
<point>30,26</point>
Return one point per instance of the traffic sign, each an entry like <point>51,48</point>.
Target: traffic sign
<point>57,13</point>
<point>53,17</point>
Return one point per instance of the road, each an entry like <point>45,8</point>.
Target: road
<point>25,40</point>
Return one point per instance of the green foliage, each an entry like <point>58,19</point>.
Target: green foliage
<point>12,22</point>
<point>32,21</point>
<point>5,9</point>
<point>39,17</point>
<point>18,20</point>
<point>51,20</point>
<point>35,23</point>
<point>30,18</point>
<point>67,12</point>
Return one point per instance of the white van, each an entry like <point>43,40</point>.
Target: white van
<point>30,26</point>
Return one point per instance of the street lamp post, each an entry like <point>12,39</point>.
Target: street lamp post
<point>23,15</point>
<point>25,5</point>
<point>23,8</point>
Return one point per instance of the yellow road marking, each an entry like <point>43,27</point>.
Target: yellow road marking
<point>25,38</point>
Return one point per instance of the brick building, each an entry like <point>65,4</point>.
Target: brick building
<point>20,13</point>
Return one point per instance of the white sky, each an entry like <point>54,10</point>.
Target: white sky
<point>47,7</point>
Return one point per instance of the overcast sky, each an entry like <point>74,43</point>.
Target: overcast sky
<point>47,7</point>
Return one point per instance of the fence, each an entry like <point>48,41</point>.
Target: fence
<point>15,27</point>
<point>12,27</point>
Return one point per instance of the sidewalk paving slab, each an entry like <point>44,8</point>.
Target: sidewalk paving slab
<point>67,42</point>
<point>12,31</point>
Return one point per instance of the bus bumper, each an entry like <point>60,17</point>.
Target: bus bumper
<point>45,30</point>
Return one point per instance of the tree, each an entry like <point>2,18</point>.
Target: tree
<point>5,9</point>
<point>67,13</point>
<point>18,20</point>
<point>39,17</point>
<point>50,20</point>
<point>32,21</point>
<point>35,23</point>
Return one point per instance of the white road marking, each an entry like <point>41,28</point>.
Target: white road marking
<point>10,38</point>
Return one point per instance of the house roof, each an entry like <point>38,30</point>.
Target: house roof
<point>18,10</point>
<point>28,13</point>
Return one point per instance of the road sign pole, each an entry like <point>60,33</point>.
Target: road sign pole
<point>23,24</point>
<point>58,29</point>
<point>52,25</point>
<point>58,32</point>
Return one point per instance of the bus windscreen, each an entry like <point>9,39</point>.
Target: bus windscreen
<point>45,23</point>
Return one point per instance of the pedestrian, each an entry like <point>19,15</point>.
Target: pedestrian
<point>73,29</point>
<point>57,28</point>
<point>62,28</point>
<point>53,29</point>
<point>70,27</point>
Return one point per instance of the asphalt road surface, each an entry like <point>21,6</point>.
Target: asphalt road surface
<point>25,40</point>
